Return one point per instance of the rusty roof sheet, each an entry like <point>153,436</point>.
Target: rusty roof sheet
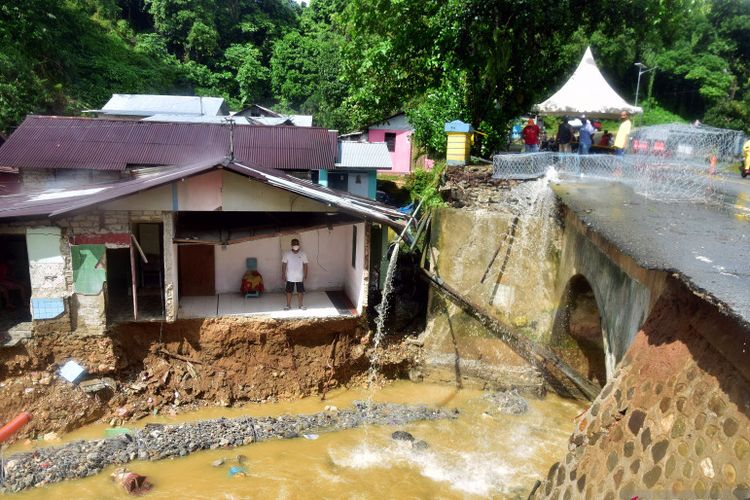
<point>60,202</point>
<point>106,144</point>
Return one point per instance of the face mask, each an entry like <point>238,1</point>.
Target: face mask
<point>295,247</point>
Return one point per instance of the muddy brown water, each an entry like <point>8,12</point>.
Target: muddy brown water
<point>475,456</point>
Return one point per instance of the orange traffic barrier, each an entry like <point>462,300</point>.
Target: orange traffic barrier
<point>14,426</point>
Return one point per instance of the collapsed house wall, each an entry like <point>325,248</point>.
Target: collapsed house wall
<point>60,303</point>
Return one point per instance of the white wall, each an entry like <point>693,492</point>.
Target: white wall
<point>326,251</point>
<point>354,285</point>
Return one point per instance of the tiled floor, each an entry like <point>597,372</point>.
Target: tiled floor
<point>318,305</point>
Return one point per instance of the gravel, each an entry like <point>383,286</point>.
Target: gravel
<point>156,442</point>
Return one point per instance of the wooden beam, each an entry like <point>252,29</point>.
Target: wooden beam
<point>521,344</point>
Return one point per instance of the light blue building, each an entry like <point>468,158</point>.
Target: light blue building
<point>356,169</point>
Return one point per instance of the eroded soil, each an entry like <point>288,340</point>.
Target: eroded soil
<point>175,367</point>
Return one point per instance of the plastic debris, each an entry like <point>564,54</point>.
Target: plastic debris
<point>311,437</point>
<point>116,431</point>
<point>71,370</point>
<point>98,384</point>
<point>132,483</point>
<point>237,471</point>
<point>217,463</point>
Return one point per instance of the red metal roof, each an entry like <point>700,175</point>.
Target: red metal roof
<point>104,144</point>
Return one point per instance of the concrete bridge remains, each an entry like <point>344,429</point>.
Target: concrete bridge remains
<point>672,358</point>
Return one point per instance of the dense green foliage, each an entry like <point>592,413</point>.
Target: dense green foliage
<point>423,186</point>
<point>353,62</point>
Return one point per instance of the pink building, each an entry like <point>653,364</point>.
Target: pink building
<point>396,132</point>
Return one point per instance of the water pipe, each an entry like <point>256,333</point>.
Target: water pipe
<point>7,431</point>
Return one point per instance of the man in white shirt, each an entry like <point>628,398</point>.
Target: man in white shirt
<point>294,272</point>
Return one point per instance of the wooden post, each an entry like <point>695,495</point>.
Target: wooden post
<point>133,282</point>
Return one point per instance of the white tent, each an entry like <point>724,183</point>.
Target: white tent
<point>586,92</point>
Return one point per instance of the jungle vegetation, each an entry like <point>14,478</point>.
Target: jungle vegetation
<point>353,62</point>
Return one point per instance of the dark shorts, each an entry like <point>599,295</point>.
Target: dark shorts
<point>291,284</point>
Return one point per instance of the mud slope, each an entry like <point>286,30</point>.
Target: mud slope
<point>220,361</point>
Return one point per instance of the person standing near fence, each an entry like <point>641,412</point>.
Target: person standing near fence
<point>585,136</point>
<point>621,139</point>
<point>564,135</point>
<point>530,134</point>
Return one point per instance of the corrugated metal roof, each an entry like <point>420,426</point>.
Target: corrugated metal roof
<point>152,104</point>
<point>301,120</point>
<point>271,121</point>
<point>364,155</point>
<point>59,202</point>
<point>106,144</point>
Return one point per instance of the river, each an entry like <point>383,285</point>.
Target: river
<point>475,456</point>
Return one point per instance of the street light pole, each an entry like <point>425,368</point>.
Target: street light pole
<point>641,71</point>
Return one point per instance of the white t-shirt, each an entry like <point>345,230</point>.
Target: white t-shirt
<point>295,271</point>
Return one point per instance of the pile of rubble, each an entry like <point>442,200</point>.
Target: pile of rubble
<point>472,186</point>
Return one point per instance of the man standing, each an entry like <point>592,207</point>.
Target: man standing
<point>564,136</point>
<point>294,272</point>
<point>621,139</point>
<point>585,136</point>
<point>530,134</point>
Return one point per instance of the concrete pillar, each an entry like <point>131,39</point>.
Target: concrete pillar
<point>171,301</point>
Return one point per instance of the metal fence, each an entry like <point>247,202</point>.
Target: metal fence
<point>666,179</point>
<point>666,162</point>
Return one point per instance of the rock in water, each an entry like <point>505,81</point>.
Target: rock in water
<point>508,402</point>
<point>420,445</point>
<point>402,436</point>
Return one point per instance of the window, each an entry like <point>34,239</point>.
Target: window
<point>354,246</point>
<point>390,140</point>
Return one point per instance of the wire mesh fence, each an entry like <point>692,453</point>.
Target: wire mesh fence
<point>665,162</point>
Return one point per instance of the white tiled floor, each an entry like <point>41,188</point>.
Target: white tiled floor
<point>268,304</point>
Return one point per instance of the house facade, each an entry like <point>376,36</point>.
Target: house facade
<point>102,233</point>
<point>395,132</point>
<point>357,165</point>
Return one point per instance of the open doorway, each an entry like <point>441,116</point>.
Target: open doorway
<point>141,264</point>
<point>119,291</point>
<point>15,283</point>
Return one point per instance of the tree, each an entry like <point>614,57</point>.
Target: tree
<point>250,75</point>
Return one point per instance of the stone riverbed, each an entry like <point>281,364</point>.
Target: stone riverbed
<point>155,442</point>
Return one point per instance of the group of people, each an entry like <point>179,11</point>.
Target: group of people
<point>532,135</point>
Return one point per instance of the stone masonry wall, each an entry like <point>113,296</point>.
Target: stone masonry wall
<point>674,422</point>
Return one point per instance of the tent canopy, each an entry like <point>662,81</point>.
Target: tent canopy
<point>586,92</point>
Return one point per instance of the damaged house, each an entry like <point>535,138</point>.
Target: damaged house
<point>120,220</point>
